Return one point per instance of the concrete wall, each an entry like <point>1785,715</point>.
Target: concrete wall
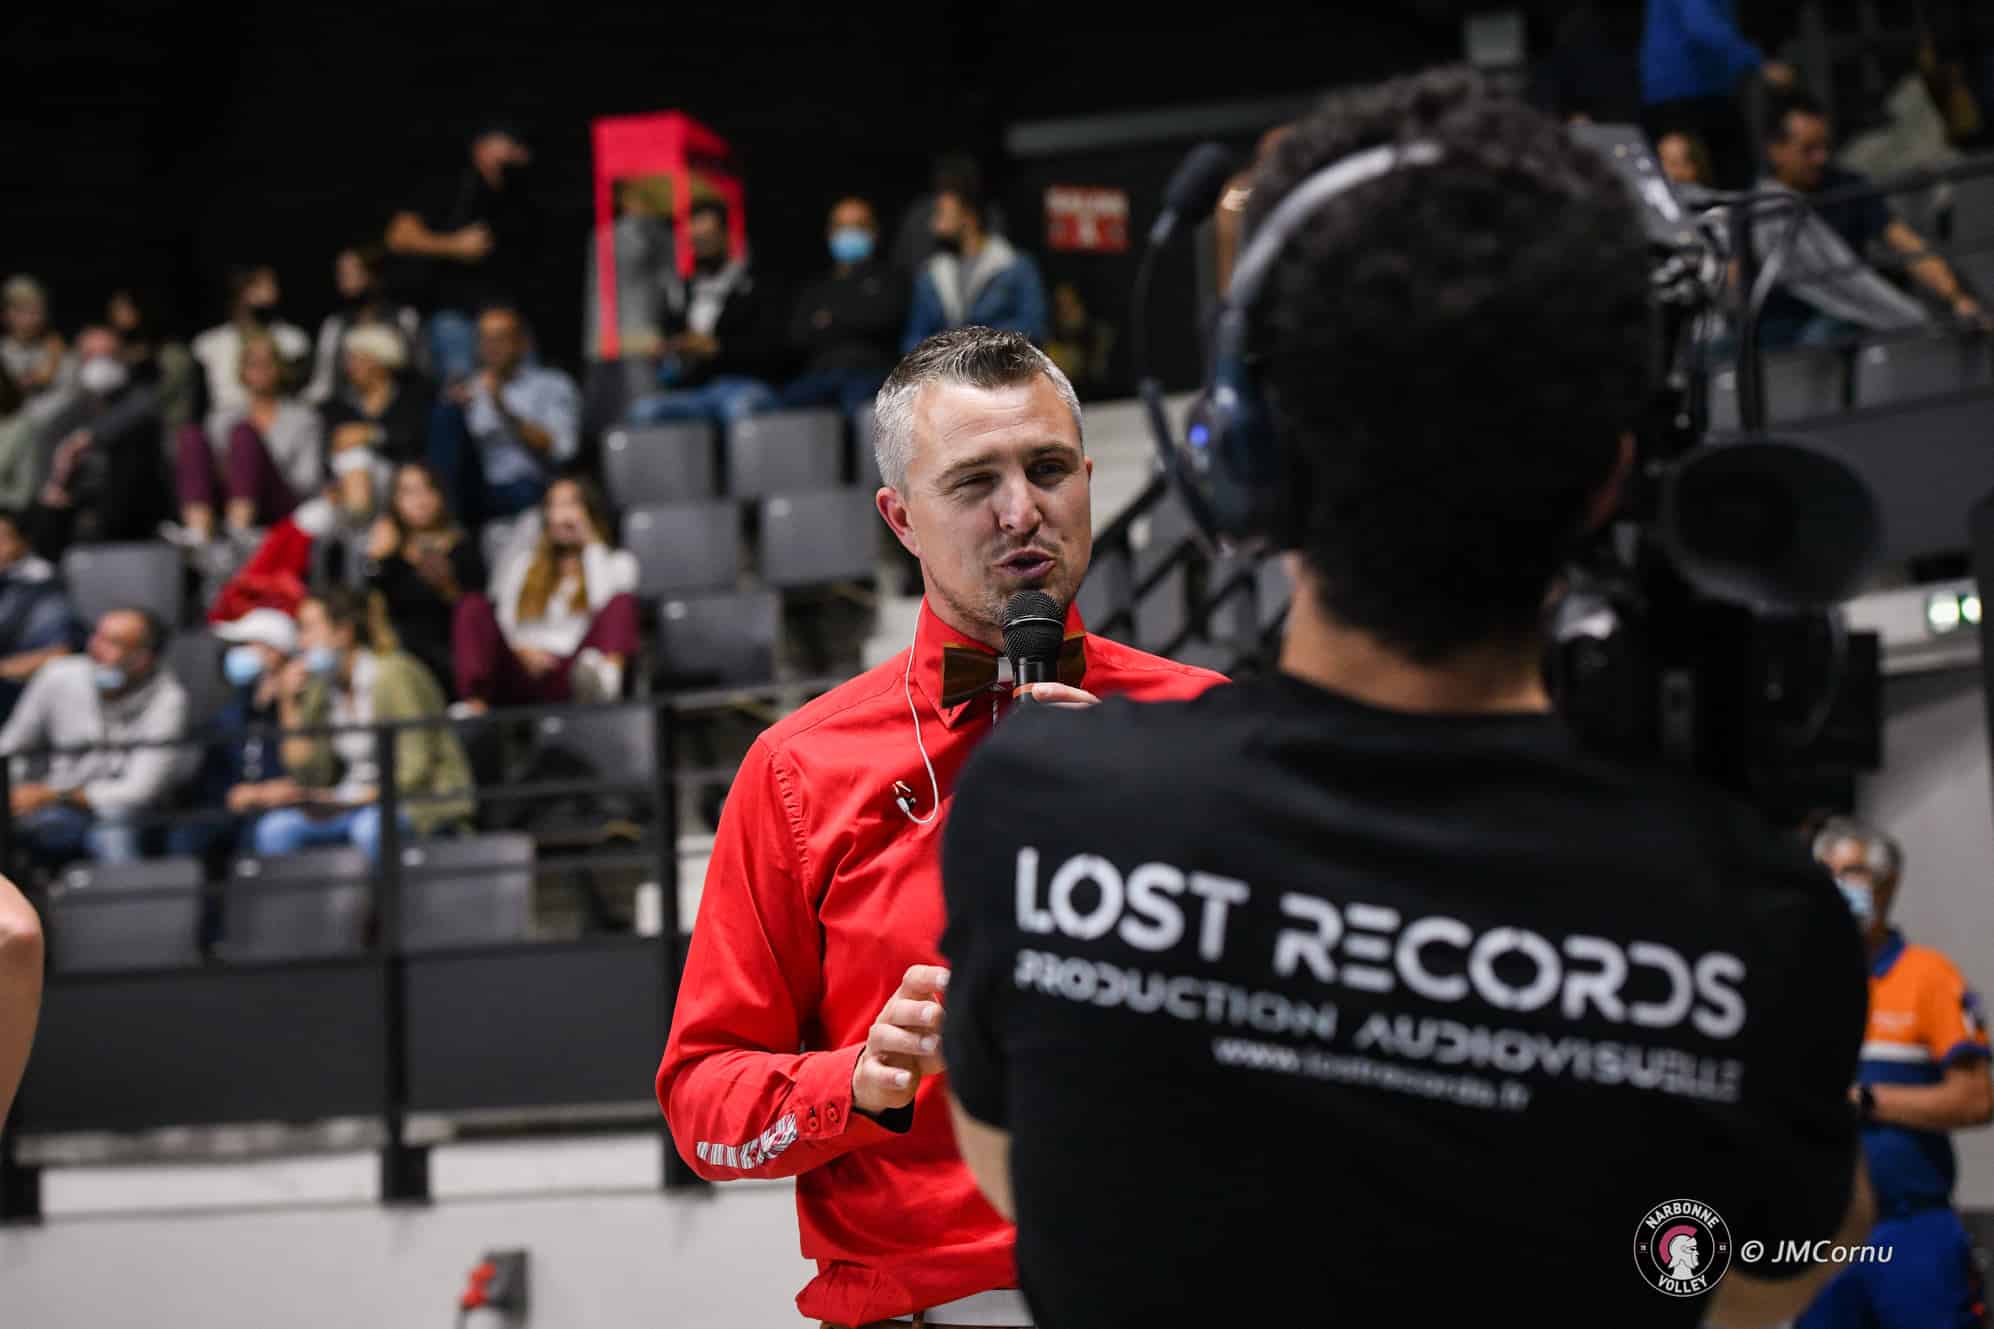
<point>606,1250</point>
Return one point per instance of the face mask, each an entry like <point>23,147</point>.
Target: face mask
<point>949,244</point>
<point>322,661</point>
<point>261,313</point>
<point>708,264</point>
<point>242,665</point>
<point>102,375</point>
<point>108,678</point>
<point>851,244</point>
<point>1860,899</point>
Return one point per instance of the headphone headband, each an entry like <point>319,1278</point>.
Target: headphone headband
<point>1304,199</point>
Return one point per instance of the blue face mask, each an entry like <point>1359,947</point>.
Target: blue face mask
<point>1860,898</point>
<point>242,665</point>
<point>851,244</point>
<point>108,678</point>
<point>322,661</point>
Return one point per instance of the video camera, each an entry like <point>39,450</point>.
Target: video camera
<point>1701,625</point>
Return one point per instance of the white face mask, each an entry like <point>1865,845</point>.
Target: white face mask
<point>102,375</point>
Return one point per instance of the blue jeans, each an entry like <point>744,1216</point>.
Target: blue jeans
<point>1930,1280</point>
<point>63,832</point>
<point>460,467</point>
<point>453,344</point>
<point>846,389</point>
<point>287,830</point>
<point>722,400</point>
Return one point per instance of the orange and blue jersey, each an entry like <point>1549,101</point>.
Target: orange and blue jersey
<point>1923,1020</point>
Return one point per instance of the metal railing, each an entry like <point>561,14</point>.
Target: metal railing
<point>385,961</point>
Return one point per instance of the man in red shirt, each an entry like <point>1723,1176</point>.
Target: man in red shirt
<point>807,1037</point>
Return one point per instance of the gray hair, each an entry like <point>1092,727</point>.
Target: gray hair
<point>978,356</point>
<point>1881,853</point>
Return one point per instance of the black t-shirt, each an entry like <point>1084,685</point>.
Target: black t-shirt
<point>453,202</point>
<point>1290,1004</point>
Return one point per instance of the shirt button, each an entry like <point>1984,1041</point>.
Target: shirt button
<point>831,1115</point>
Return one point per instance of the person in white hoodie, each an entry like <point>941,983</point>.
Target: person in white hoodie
<point>561,619</point>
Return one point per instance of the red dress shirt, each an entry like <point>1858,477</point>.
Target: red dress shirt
<point>820,894</point>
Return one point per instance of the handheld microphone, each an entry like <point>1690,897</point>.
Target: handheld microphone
<point>1034,626</point>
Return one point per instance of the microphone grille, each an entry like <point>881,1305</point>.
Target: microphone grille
<point>1034,624</point>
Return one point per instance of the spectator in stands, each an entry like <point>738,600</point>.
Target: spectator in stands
<point>382,418</point>
<point>116,693</point>
<point>242,770</point>
<point>1694,65</point>
<point>1684,158</point>
<point>19,455</point>
<point>561,620</point>
<point>1080,344</point>
<point>252,311</point>
<point>153,357</point>
<point>719,348</point>
<point>106,472</point>
<point>476,233</point>
<point>363,300</point>
<point>31,350</point>
<point>847,323</point>
<point>271,456</point>
<point>36,624</point>
<point>914,239</point>
<point>1798,144</point>
<point>498,439</point>
<point>421,563</point>
<point>347,675</point>
<point>973,277</point>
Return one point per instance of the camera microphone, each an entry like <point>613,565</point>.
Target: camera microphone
<point>1034,626</point>
<point>1193,190</point>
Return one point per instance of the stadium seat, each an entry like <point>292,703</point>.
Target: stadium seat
<point>1908,369</point>
<point>472,890</point>
<point>141,574</point>
<point>311,903</point>
<point>143,915</point>
<point>616,742</point>
<point>717,640</point>
<point>865,462</point>
<point>684,546</point>
<point>784,452</point>
<point>1108,590</point>
<point>195,658</point>
<point>670,463</point>
<point>1163,613</point>
<point>813,539</point>
<point>1800,384</point>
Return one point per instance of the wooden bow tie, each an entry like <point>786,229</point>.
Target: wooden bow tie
<point>970,670</point>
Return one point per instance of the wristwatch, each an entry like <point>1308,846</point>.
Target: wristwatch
<point>1865,1104</point>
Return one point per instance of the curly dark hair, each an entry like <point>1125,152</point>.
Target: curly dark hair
<point>1451,355</point>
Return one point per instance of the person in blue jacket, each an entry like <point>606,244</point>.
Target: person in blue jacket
<point>973,277</point>
<point>1694,62</point>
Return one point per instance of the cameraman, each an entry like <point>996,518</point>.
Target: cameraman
<point>1359,985</point>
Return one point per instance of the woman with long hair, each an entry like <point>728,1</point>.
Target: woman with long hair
<point>561,619</point>
<point>422,563</point>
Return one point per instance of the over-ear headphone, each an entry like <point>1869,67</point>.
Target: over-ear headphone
<point>1230,468</point>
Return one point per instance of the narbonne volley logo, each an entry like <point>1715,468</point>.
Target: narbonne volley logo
<point>1682,1248</point>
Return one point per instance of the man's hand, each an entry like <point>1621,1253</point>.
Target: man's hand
<point>1057,695</point>
<point>383,539</point>
<point>1967,310</point>
<point>904,1043</point>
<point>291,682</point>
<point>28,799</point>
<point>473,243</point>
<point>535,662</point>
<point>698,345</point>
